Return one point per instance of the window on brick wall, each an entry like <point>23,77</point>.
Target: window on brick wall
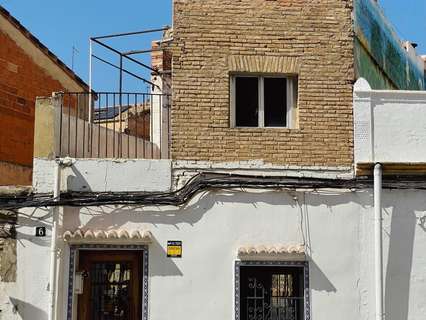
<point>263,101</point>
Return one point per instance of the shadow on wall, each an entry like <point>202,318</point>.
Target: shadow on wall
<point>115,216</point>
<point>318,281</point>
<point>27,311</point>
<point>402,231</point>
<point>402,207</point>
<point>400,259</point>
<point>77,181</point>
<point>32,221</point>
<point>159,264</point>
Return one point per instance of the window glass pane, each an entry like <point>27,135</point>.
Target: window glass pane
<point>246,101</point>
<point>275,90</point>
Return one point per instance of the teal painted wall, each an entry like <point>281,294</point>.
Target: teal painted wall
<point>379,56</point>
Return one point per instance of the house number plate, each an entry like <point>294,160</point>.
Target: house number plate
<point>40,231</point>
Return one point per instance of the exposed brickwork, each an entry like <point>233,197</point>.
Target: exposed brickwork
<point>160,60</point>
<point>262,64</point>
<point>138,124</point>
<point>14,174</point>
<point>209,34</point>
<point>21,81</point>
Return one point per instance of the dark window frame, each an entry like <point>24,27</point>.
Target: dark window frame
<point>292,96</point>
<point>285,264</point>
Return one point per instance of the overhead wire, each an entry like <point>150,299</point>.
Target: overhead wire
<point>200,182</point>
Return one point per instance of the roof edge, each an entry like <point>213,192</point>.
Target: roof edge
<point>36,42</point>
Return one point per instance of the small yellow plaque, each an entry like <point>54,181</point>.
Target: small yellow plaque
<point>174,249</point>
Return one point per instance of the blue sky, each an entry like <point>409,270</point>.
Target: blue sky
<point>60,25</point>
<point>409,19</point>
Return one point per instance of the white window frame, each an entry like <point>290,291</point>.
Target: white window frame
<point>291,102</point>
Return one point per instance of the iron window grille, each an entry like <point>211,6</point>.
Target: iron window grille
<point>269,290</point>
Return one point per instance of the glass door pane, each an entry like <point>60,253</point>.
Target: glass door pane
<point>112,288</point>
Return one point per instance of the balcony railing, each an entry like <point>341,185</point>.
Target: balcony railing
<point>113,125</point>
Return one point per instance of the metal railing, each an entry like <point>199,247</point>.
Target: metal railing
<point>114,125</point>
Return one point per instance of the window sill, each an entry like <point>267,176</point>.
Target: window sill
<point>286,129</point>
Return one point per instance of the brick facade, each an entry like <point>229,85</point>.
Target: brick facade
<point>213,38</point>
<point>21,81</point>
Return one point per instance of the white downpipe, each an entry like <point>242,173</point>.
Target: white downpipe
<point>378,243</point>
<point>53,243</point>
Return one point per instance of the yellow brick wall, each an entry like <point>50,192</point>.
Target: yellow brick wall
<point>215,37</point>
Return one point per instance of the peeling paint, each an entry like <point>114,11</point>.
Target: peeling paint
<point>7,260</point>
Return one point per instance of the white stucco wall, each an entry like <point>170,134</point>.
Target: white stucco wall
<point>104,175</point>
<point>28,298</point>
<point>390,126</point>
<point>336,225</point>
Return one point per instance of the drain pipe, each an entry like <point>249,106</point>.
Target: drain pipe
<point>53,243</point>
<point>378,243</point>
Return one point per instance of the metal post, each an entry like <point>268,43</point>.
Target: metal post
<point>90,81</point>
<point>120,144</point>
<point>121,76</point>
<point>74,51</point>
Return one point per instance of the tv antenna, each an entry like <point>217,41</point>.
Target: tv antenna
<point>74,52</point>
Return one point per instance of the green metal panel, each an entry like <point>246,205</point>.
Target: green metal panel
<point>367,68</point>
<point>379,56</point>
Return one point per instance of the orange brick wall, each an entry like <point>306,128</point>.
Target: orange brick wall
<point>21,81</point>
<point>213,37</point>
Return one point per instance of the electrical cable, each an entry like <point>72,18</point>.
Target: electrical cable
<point>201,181</point>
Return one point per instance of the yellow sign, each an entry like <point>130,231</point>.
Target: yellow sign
<point>174,249</point>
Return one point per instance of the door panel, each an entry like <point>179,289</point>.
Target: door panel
<point>112,285</point>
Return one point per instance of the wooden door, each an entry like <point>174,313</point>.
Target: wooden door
<point>112,286</point>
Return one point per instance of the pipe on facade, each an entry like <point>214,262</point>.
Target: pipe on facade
<point>378,243</point>
<point>53,243</point>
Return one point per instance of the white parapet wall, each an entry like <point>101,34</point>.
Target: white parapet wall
<point>104,175</point>
<point>390,126</point>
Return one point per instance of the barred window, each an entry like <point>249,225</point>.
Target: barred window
<point>271,291</point>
